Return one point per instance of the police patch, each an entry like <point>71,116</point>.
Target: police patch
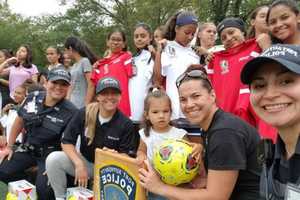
<point>116,184</point>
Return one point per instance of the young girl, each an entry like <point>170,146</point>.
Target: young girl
<point>141,81</point>
<point>54,58</point>
<point>283,20</point>
<point>19,68</point>
<point>117,64</point>
<point>259,28</point>
<point>82,89</point>
<point>4,85</point>
<point>66,61</point>
<point>10,111</point>
<point>157,128</point>
<point>205,42</point>
<point>224,71</point>
<point>176,55</point>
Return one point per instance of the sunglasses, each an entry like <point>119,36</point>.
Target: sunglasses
<point>196,74</point>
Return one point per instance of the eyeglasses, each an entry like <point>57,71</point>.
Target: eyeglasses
<point>196,74</point>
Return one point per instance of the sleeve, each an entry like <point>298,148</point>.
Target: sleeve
<point>7,69</point>
<point>130,139</point>
<point>34,70</point>
<point>127,62</point>
<point>180,133</point>
<point>166,62</point>
<point>94,78</point>
<point>210,69</point>
<point>74,128</point>
<point>86,65</point>
<point>227,151</point>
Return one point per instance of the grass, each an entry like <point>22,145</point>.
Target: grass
<point>3,191</point>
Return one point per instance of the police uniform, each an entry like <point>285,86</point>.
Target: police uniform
<point>44,127</point>
<point>282,172</point>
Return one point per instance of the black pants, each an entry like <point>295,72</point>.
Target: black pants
<point>14,170</point>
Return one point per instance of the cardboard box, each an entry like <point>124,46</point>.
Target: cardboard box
<point>21,190</point>
<point>79,193</point>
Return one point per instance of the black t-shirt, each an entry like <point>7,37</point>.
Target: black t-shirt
<point>44,125</point>
<point>118,134</point>
<point>230,144</point>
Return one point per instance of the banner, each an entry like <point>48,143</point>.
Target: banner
<point>116,177</point>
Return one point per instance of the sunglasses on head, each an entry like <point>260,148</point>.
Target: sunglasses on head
<point>196,74</point>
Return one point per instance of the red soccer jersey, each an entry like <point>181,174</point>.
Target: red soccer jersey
<point>233,96</point>
<point>119,66</point>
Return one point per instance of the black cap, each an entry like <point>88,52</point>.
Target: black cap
<point>108,82</point>
<point>285,55</point>
<point>231,22</point>
<point>59,73</point>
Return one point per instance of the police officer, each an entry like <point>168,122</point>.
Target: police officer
<point>100,125</point>
<point>43,116</point>
<point>274,79</point>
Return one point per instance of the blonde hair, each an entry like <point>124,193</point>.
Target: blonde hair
<point>90,121</point>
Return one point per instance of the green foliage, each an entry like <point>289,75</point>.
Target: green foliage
<point>91,20</point>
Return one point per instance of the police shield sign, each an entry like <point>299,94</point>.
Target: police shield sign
<point>116,177</point>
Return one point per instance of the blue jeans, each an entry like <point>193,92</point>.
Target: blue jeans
<point>153,196</point>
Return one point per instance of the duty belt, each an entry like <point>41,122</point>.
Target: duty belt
<point>37,151</point>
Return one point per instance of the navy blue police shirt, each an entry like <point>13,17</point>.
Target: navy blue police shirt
<point>44,125</point>
<point>118,134</point>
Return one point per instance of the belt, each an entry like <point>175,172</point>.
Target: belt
<point>37,151</point>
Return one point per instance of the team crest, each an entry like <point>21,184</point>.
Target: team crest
<point>224,66</point>
<point>116,184</point>
<point>171,51</point>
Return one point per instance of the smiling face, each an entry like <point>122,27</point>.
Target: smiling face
<point>283,23</point>
<point>109,99</point>
<point>185,33</point>
<point>115,42</point>
<point>197,102</point>
<point>275,95</point>
<point>56,90</point>
<point>231,37</point>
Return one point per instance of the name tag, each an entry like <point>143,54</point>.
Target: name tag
<point>292,192</point>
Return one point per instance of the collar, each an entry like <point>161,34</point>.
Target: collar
<point>216,115</point>
<point>114,117</point>
<point>280,148</point>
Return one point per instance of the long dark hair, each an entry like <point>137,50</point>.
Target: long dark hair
<point>28,61</point>
<point>252,16</point>
<point>59,52</point>
<point>123,37</point>
<point>169,32</point>
<point>156,92</point>
<point>80,47</point>
<point>7,53</point>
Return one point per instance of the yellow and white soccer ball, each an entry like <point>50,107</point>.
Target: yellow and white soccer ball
<point>11,196</point>
<point>173,161</point>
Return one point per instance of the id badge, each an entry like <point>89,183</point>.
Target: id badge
<point>31,107</point>
<point>292,192</point>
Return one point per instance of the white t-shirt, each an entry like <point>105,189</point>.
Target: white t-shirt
<point>7,122</point>
<point>175,59</point>
<point>155,139</point>
<point>140,83</point>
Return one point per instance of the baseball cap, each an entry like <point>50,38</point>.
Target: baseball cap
<point>231,22</point>
<point>283,54</point>
<point>108,82</point>
<point>59,73</point>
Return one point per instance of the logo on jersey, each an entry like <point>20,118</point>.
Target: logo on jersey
<point>116,184</point>
<point>171,51</point>
<point>224,66</point>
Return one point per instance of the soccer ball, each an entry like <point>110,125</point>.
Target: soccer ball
<point>173,161</point>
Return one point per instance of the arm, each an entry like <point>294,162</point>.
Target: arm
<point>4,82</point>
<point>90,88</point>
<point>81,173</point>
<point>5,64</point>
<point>157,77</point>
<point>141,153</point>
<point>220,185</point>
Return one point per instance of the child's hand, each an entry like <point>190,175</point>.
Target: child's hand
<point>140,159</point>
<point>197,151</point>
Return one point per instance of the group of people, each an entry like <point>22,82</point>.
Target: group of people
<point>237,94</point>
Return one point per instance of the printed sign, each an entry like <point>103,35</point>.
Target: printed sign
<point>116,177</point>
